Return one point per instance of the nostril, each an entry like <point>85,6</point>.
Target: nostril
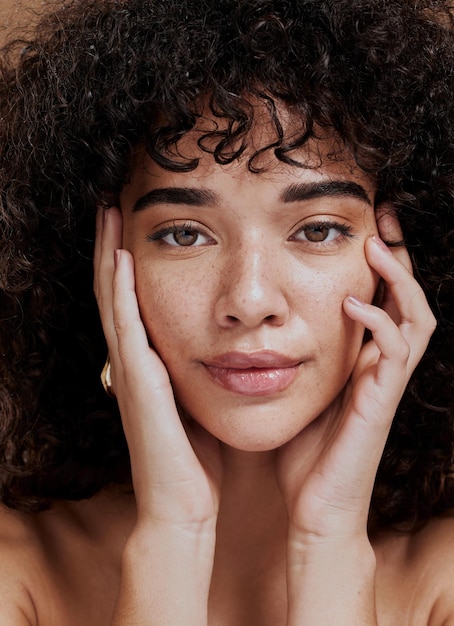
<point>242,303</point>
<point>267,318</point>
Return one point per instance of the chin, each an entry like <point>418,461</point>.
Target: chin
<point>250,439</point>
<point>254,424</point>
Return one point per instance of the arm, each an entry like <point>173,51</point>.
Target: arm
<point>331,582</point>
<point>166,573</point>
<point>168,559</point>
<point>327,473</point>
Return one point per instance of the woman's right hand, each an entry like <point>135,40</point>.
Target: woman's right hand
<point>174,481</point>
<point>176,467</point>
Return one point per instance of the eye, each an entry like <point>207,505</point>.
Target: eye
<point>322,232</point>
<point>183,236</point>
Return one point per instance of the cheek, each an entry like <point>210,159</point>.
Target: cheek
<point>362,282</point>
<point>320,305</point>
<point>323,291</point>
<point>173,309</point>
<point>354,277</point>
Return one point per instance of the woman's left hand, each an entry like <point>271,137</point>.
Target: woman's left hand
<point>327,472</point>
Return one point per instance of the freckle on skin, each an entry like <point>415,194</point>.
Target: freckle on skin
<point>179,295</point>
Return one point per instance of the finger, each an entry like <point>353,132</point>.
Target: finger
<point>386,359</point>
<point>390,231</point>
<point>415,319</point>
<point>144,394</point>
<point>168,478</point>
<point>133,346</point>
<point>108,239</point>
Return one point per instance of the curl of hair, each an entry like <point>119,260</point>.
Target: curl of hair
<point>100,78</point>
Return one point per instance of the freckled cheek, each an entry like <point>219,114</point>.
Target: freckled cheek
<point>366,283</point>
<point>355,277</point>
<point>327,288</point>
<point>319,303</point>
<point>173,310</point>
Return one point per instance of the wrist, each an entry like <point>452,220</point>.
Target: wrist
<point>155,539</point>
<point>331,581</point>
<point>166,573</point>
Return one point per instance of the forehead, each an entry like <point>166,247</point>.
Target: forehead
<point>224,183</point>
<point>270,129</point>
<point>321,157</point>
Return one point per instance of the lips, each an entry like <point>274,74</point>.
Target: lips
<point>253,374</point>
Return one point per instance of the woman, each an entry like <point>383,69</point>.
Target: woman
<point>248,162</point>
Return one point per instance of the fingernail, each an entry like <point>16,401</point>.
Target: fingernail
<point>355,301</point>
<point>381,244</point>
<point>117,254</point>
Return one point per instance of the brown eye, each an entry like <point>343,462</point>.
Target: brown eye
<point>185,237</point>
<point>322,232</point>
<point>317,233</point>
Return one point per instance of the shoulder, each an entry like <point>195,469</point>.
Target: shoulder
<point>62,566</point>
<point>415,575</point>
<point>434,546</point>
<point>20,568</point>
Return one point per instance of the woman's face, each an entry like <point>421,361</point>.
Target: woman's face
<point>240,279</point>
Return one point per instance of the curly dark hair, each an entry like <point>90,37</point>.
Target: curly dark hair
<point>97,79</point>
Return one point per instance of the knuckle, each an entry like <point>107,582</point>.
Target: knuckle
<point>430,323</point>
<point>402,350</point>
<point>125,321</point>
<point>427,323</point>
<point>120,325</point>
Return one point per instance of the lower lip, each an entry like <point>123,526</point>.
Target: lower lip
<point>254,381</point>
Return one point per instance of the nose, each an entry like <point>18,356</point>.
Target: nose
<point>252,290</point>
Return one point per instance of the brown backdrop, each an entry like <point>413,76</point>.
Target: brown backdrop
<point>16,13</point>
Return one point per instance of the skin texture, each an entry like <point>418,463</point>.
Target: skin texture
<point>251,489</point>
<point>188,483</point>
<point>244,530</point>
<point>130,91</point>
<point>253,283</point>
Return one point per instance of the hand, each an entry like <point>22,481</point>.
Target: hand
<point>327,472</point>
<point>175,466</point>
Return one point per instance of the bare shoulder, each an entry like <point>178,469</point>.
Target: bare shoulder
<point>415,575</point>
<point>435,546</point>
<point>61,567</point>
<point>20,568</point>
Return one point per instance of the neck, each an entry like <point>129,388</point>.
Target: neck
<point>250,561</point>
<point>249,490</point>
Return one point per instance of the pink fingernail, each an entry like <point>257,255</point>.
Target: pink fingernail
<point>117,254</point>
<point>381,244</point>
<point>355,301</point>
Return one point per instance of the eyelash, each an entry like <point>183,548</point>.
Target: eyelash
<point>344,230</point>
<point>172,230</point>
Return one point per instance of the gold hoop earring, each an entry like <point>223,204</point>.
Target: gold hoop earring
<point>106,378</point>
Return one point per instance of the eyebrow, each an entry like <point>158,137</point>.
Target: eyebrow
<point>294,193</point>
<point>176,195</point>
<point>308,191</point>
